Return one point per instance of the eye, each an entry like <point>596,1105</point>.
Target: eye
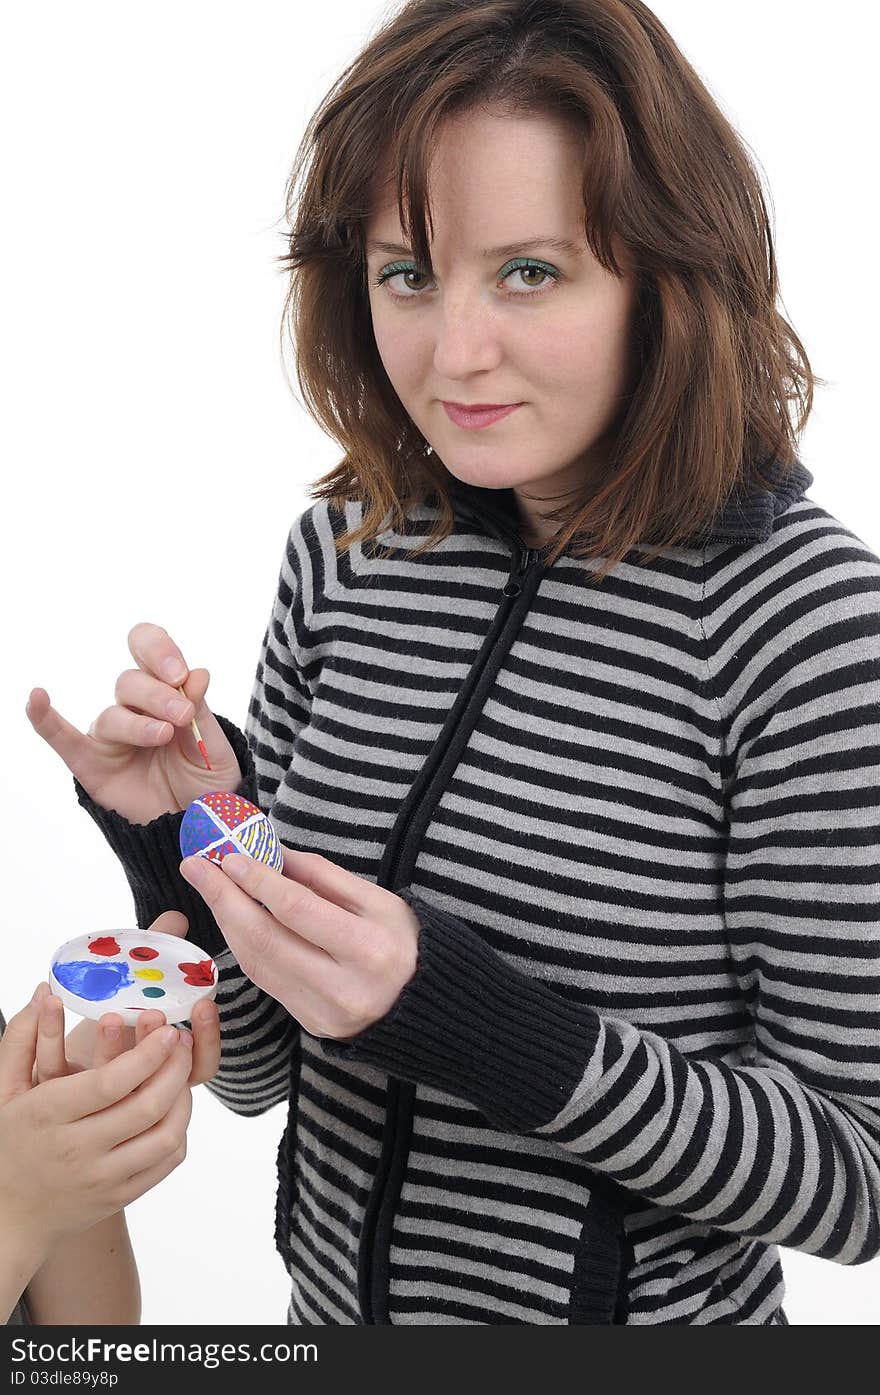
<point>519,264</point>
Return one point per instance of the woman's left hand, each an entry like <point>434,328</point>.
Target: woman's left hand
<point>335,949</point>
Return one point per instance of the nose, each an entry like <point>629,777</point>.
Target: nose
<point>467,338</point>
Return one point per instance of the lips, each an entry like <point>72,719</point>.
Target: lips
<point>474,418</point>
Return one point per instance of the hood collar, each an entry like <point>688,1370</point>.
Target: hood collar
<point>746,517</point>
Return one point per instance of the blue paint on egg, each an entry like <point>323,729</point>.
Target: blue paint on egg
<point>93,982</point>
<point>198,829</point>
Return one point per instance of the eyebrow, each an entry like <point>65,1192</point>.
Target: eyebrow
<point>559,244</point>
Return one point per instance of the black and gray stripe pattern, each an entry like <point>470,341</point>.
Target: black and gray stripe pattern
<point>642,1047</point>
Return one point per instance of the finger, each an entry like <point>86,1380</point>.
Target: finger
<point>93,1091</point>
<point>346,889</point>
<point>206,1041</point>
<point>195,687</point>
<point>144,1106</point>
<point>143,692</point>
<point>18,1051</point>
<point>142,1182</point>
<point>111,1039</point>
<point>268,948</point>
<point>119,726</point>
<point>153,650</point>
<point>51,1053</point>
<point>154,1144</point>
<point>71,744</point>
<point>176,703</point>
<point>170,923</point>
<point>149,1021</point>
<point>321,922</point>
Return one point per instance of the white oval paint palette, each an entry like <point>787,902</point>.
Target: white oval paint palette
<point>131,971</point>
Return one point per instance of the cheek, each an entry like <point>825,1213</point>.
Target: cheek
<point>400,345</point>
<point>585,352</point>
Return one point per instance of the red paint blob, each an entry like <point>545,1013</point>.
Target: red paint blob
<point>143,952</point>
<point>201,974</point>
<point>104,944</point>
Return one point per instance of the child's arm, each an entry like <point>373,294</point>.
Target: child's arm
<point>21,1256</point>
<point>88,1278</point>
<point>123,1121</point>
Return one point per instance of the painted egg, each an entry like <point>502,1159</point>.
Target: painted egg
<point>131,971</point>
<point>222,823</point>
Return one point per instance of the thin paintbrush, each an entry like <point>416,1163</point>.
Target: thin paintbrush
<point>197,734</point>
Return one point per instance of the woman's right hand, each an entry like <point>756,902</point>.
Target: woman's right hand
<point>76,1149</point>
<point>139,756</point>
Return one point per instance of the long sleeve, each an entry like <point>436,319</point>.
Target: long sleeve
<point>786,1147</point>
<point>258,1035</point>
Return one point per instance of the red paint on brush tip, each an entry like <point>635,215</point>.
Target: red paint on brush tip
<point>204,754</point>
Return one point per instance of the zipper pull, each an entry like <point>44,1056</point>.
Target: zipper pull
<point>525,558</point>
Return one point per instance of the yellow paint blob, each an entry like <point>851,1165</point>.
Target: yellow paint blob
<point>148,973</point>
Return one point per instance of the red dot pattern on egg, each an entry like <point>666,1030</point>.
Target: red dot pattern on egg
<point>231,808</point>
<point>143,952</point>
<point>104,944</point>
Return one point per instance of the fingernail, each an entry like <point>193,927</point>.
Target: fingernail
<point>168,1036</point>
<point>156,729</point>
<point>171,670</point>
<point>112,1033</point>
<point>177,708</point>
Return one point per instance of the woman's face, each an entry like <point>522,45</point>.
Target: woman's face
<point>557,338</point>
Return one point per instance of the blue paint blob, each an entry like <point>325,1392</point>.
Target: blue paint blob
<point>154,992</point>
<point>198,829</point>
<point>94,982</point>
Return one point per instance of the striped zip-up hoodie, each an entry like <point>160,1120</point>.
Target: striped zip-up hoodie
<point>639,825</point>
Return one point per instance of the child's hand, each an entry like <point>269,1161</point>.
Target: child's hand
<point>94,1043</point>
<point>77,1148</point>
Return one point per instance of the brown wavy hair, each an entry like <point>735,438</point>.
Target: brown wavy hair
<point>715,363</point>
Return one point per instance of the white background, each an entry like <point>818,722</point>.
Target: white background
<point>154,454</point>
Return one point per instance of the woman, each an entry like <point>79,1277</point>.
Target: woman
<point>564,713</point>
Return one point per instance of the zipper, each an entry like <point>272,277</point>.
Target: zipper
<point>527,558</point>
<point>381,1203</point>
<point>524,558</point>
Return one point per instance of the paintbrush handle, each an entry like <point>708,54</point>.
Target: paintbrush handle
<point>194,726</point>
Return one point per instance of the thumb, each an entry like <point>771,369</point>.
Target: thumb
<point>195,687</point>
<point>171,923</point>
<point>72,746</point>
<point>18,1050</point>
